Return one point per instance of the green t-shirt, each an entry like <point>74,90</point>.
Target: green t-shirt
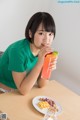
<point>17,57</point>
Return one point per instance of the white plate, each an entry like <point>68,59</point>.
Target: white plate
<point>44,111</point>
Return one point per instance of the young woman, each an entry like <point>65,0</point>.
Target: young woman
<point>22,61</point>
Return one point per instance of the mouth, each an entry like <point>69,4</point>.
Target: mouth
<point>45,45</point>
<point>42,45</point>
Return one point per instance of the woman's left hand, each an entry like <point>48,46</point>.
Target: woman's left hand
<point>52,64</point>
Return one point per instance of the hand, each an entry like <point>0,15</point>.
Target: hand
<point>45,50</point>
<point>52,65</point>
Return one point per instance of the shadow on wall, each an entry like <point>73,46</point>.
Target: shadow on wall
<point>67,80</point>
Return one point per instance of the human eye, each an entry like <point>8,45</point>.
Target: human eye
<point>40,33</point>
<point>50,34</point>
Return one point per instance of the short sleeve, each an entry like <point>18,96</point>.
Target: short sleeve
<point>16,61</point>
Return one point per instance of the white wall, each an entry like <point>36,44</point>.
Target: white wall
<point>67,42</point>
<point>14,15</point>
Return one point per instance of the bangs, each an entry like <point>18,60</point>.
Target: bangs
<point>48,25</point>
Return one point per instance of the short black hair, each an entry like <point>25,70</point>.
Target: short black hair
<point>40,17</point>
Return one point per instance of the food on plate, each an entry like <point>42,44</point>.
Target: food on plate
<point>47,103</point>
<point>51,102</point>
<point>43,104</point>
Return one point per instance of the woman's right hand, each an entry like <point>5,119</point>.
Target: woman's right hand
<point>44,50</point>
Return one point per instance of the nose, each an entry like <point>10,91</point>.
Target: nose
<point>46,38</point>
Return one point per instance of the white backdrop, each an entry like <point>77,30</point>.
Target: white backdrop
<point>14,15</point>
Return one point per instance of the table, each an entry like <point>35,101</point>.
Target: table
<point>20,107</point>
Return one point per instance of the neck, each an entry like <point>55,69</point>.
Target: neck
<point>34,49</point>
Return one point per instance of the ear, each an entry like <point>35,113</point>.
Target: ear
<point>30,34</point>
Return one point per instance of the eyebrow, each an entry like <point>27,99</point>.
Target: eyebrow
<point>41,30</point>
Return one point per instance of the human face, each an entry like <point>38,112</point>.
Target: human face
<point>42,37</point>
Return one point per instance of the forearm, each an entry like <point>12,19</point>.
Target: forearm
<point>30,79</point>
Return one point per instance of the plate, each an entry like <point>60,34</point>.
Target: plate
<point>44,110</point>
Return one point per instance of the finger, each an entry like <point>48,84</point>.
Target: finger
<point>53,62</point>
<point>46,50</point>
<point>52,67</point>
<point>54,59</point>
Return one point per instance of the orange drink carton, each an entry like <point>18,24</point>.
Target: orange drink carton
<point>46,72</point>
